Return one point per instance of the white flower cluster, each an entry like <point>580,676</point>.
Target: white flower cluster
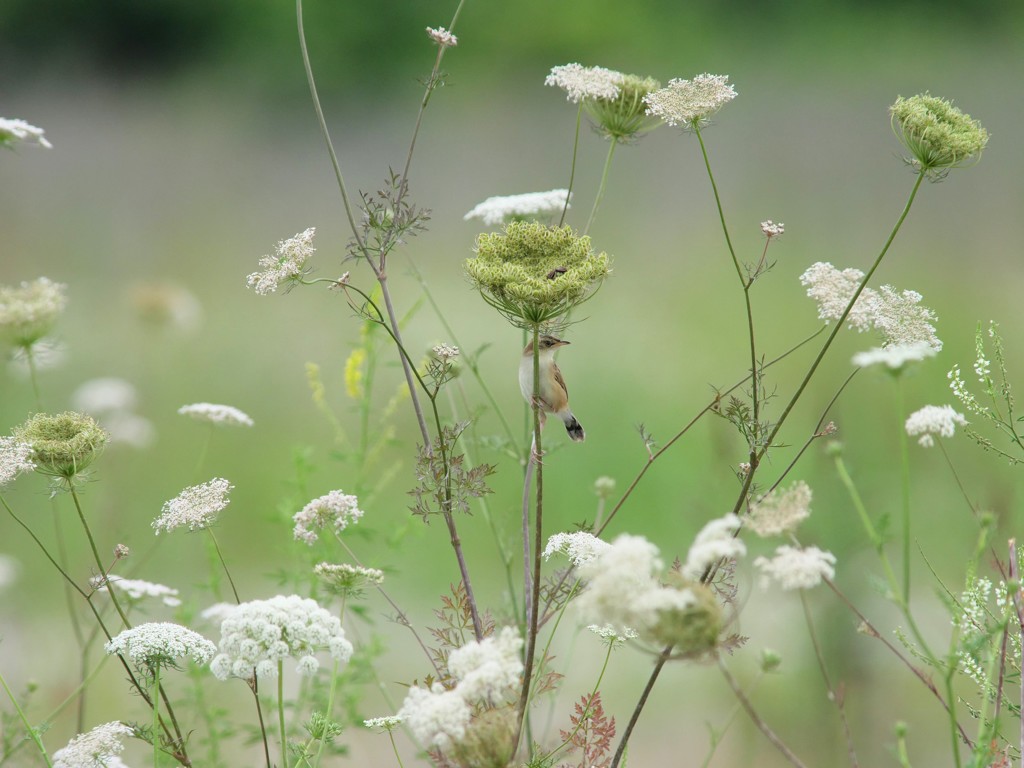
<point>446,352</point>
<point>623,589</point>
<point>345,578</point>
<point>442,37</point>
<point>337,509</point>
<point>15,458</point>
<point>716,541</point>
<point>29,311</point>
<point>161,642</point>
<point>895,356</point>
<point>690,102</point>
<point>99,748</point>
<point>256,635</point>
<point>581,83</point>
<point>797,568</point>
<point>136,589</point>
<point>781,511</point>
<point>217,612</point>
<point>580,547</point>
<point>14,130</point>
<point>498,210</point>
<point>196,507</point>
<point>112,401</point>
<point>286,265</point>
<point>898,316</point>
<point>960,391</point>
<point>382,724</point>
<point>484,670</point>
<point>217,414</point>
<point>612,636</point>
<point>771,229</point>
<point>934,420</point>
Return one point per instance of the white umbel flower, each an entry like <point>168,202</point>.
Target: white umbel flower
<point>15,458</point>
<point>833,288</point>
<point>941,420</point>
<point>489,668</point>
<point>795,568</point>
<point>580,547</point>
<point>137,589</point>
<point>16,130</point>
<point>716,541</point>
<point>195,507</point>
<point>773,229</point>
<point>161,642</point>
<point>98,396</point>
<point>287,265</point>
<point>258,634</point>
<point>436,717</point>
<point>382,724</point>
<point>499,209</point>
<point>336,509</point>
<point>690,102</point>
<point>217,414</point>
<point>581,82</point>
<point>29,311</point>
<point>781,511</point>
<point>442,37</point>
<point>895,357</point>
<point>99,748</point>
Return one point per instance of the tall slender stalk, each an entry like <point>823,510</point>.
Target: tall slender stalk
<point>604,182</point>
<point>32,732</point>
<point>572,169</point>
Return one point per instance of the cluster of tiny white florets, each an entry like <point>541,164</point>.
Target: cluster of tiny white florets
<point>196,507</point>
<point>941,420</point>
<point>345,578</point>
<point>612,636</point>
<point>15,458</point>
<point>581,83</point>
<point>99,748</point>
<point>287,265</point>
<point>690,102</point>
<point>137,589</point>
<point>442,37</point>
<point>29,311</point>
<point>14,130</point>
<point>983,608</point>
<point>337,509</point>
<point>580,547</point>
<point>446,352</point>
<point>772,229</point>
<point>160,643</point>
<point>215,413</point>
<point>112,401</point>
<point>484,671</point>
<point>716,541</point>
<point>781,511</point>
<point>960,391</point>
<point>896,356</point>
<point>257,635</point>
<point>795,568</point>
<point>382,724</point>
<point>217,612</point>
<point>502,208</point>
<point>898,316</point>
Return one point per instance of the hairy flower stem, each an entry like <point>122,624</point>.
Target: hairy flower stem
<point>32,732</point>
<point>101,570</point>
<point>755,718</point>
<point>604,182</point>
<point>220,556</point>
<point>572,169</point>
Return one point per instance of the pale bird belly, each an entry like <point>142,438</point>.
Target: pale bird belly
<point>548,393</point>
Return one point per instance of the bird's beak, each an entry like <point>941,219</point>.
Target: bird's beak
<point>562,343</point>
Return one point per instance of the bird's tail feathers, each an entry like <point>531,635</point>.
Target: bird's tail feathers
<point>573,427</point>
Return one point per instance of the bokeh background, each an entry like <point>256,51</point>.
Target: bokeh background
<point>185,146</point>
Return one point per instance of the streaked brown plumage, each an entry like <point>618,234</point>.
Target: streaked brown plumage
<point>552,394</point>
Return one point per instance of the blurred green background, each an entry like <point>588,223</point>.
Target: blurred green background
<point>185,147</point>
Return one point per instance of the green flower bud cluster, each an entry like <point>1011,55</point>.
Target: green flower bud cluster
<point>693,630</point>
<point>625,116</point>
<point>63,444</point>
<point>534,274</point>
<point>938,135</point>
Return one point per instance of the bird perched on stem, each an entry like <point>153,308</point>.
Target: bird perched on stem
<point>552,395</point>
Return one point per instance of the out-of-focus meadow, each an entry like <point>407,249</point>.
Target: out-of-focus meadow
<point>185,147</point>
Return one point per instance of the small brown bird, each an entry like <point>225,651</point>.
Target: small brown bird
<point>552,394</point>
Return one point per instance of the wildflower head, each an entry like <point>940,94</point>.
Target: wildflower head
<point>624,117</point>
<point>534,274</point>
<point>795,568</point>
<point>137,590</point>
<point>938,135</point>
<point>161,644</point>
<point>346,579</point>
<point>781,511</point>
<point>16,131</point>
<point>436,716</point>
<point>691,620</point>
<point>896,357</point>
<point>611,636</point>
<point>287,266</point>
<point>585,83</point>
<point>487,669</point>
<point>934,420</point>
<point>525,207</point>
<point>604,486</point>
<point>218,415</point>
<point>383,724</point>
<point>256,635</point>
<point>580,547</point>
<point>442,37</point>
<point>99,747</point>
<point>196,507</point>
<point>772,229</point>
<point>29,311</point>
<point>690,103</point>
<point>63,444</point>
<point>15,458</point>
<point>336,509</point>
<point>716,541</point>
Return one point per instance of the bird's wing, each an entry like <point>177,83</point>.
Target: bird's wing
<point>560,381</point>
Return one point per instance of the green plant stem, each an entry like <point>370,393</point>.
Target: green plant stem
<point>156,716</point>
<point>99,562</point>
<point>901,413</point>
<point>327,714</point>
<point>33,375</point>
<point>527,580</point>
<point>220,556</point>
<point>254,685</point>
<point>33,734</point>
<point>586,710</point>
<point>203,451</point>
<point>600,189</point>
<point>394,747</point>
<point>572,169</point>
<point>655,673</point>
<point>280,713</point>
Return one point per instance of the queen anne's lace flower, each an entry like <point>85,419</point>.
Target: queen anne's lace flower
<point>612,636</point>
<point>781,511</point>
<point>772,229</point>
<point>580,547</point>
<point>196,507</point>
<point>160,643</point>
<point>442,37</point>
<point>895,356</point>
<point>388,723</point>
<point>581,82</point>
<point>436,717</point>
<point>934,420</point>
<point>499,209</point>
<point>832,289</point>
<point>486,669</point>
<point>446,352</point>
<point>104,395</point>
<point>797,568</point>
<point>15,458</point>
<point>258,634</point>
<point>345,578</point>
<point>337,510</point>
<point>716,541</point>
<point>287,265</point>
<point>28,312</point>
<point>689,102</point>
<point>220,415</point>
<point>137,589</point>
<point>99,748</point>
<point>14,130</point>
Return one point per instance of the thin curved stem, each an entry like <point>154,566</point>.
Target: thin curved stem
<point>624,740</point>
<point>600,189</point>
<point>220,555</point>
<point>32,732</point>
<point>572,169</point>
<point>280,714</point>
